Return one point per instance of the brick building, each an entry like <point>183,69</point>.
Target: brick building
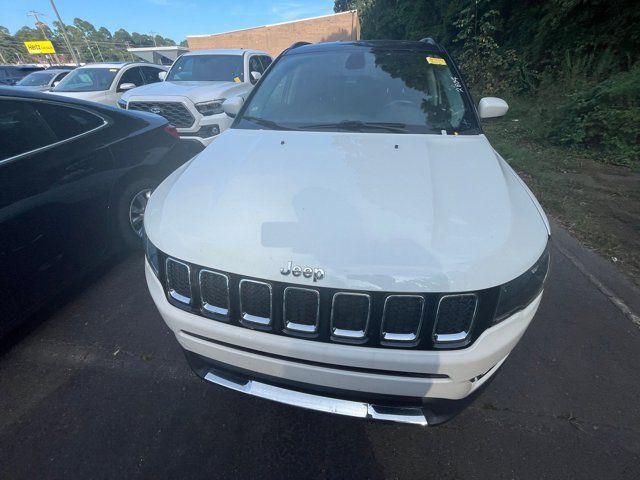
<point>275,38</point>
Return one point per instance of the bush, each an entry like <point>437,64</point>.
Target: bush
<point>602,116</point>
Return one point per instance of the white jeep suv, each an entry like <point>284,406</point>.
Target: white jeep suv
<point>193,91</point>
<point>352,244</point>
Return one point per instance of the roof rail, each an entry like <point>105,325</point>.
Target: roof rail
<point>430,41</point>
<point>298,44</point>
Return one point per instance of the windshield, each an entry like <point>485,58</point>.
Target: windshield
<point>36,79</point>
<point>208,68</point>
<point>373,90</point>
<point>87,80</point>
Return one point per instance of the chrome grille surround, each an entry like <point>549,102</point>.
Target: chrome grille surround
<point>176,113</point>
<point>329,314</point>
<point>465,325</point>
<point>297,326</point>
<point>249,303</point>
<point>410,336</point>
<point>176,290</point>
<point>353,334</point>
<point>211,307</point>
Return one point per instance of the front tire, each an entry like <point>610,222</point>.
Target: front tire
<point>130,214</point>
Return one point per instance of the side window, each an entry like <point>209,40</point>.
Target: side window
<point>151,74</point>
<point>266,61</point>
<point>254,66</point>
<point>133,75</point>
<point>67,122</point>
<point>27,126</point>
<point>61,76</point>
<point>22,129</point>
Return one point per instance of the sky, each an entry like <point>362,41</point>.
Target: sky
<point>170,18</point>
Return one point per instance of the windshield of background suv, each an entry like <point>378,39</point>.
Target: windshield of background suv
<point>87,80</point>
<point>36,79</point>
<point>373,90</point>
<point>207,68</point>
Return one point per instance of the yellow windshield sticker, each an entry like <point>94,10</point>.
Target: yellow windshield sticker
<point>237,80</point>
<point>436,61</point>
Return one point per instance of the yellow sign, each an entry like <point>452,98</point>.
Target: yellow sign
<point>436,61</point>
<point>39,47</point>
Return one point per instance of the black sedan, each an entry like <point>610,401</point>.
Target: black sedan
<point>74,181</point>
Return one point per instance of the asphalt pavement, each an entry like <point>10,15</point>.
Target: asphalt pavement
<point>96,387</point>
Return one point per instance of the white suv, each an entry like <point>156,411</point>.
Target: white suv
<point>106,82</point>
<point>353,243</point>
<point>193,91</point>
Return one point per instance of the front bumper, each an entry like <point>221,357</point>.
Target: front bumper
<point>394,378</point>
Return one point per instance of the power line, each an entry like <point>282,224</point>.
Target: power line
<point>63,30</point>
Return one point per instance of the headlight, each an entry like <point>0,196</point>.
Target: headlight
<point>214,107</point>
<point>122,104</point>
<point>152,256</point>
<point>520,292</point>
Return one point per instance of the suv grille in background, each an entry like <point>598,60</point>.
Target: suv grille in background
<point>178,281</point>
<point>176,112</point>
<point>214,292</point>
<point>402,318</point>
<point>301,309</point>
<point>422,321</point>
<point>454,318</point>
<point>255,302</point>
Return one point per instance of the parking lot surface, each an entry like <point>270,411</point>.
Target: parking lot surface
<point>98,388</point>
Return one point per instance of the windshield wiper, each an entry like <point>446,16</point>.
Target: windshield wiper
<point>357,125</point>
<point>266,123</point>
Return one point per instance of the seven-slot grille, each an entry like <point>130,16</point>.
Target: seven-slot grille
<point>301,309</point>
<point>178,281</point>
<point>214,293</point>
<point>402,318</point>
<point>255,302</point>
<point>176,112</point>
<point>455,317</point>
<point>375,319</point>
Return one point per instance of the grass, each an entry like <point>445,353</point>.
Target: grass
<point>596,201</point>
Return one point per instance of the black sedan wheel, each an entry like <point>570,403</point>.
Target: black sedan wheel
<point>131,207</point>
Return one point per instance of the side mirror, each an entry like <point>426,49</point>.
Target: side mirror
<point>55,83</point>
<point>162,75</point>
<point>492,107</point>
<point>256,76</point>
<point>232,106</point>
<point>126,86</point>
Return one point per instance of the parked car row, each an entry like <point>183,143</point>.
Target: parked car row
<point>11,74</point>
<point>351,243</point>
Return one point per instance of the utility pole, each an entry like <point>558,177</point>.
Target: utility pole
<point>41,26</point>
<point>63,29</point>
<point>153,36</point>
<point>89,47</point>
<point>99,51</point>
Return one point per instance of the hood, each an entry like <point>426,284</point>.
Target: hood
<point>196,91</point>
<point>405,213</point>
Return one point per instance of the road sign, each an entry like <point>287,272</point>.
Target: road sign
<point>39,47</point>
